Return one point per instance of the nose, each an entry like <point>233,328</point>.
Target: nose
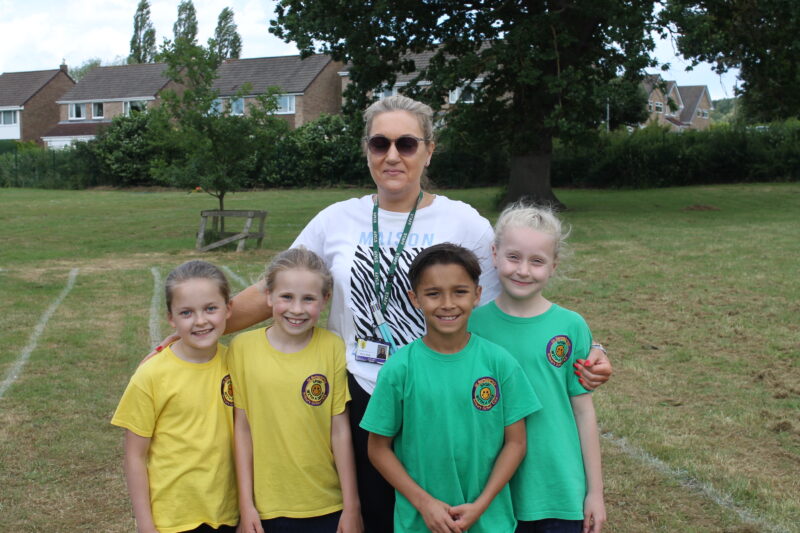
<point>447,301</point>
<point>296,306</point>
<point>393,154</point>
<point>523,268</point>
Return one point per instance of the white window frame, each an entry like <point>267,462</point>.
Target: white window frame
<point>217,106</point>
<point>659,107</point>
<point>289,109</point>
<point>456,95</point>
<point>126,106</point>
<point>94,110</point>
<point>237,106</point>
<point>77,116</point>
<point>11,113</point>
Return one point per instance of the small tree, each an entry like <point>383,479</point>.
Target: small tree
<point>226,43</point>
<point>143,42</point>
<point>185,27</point>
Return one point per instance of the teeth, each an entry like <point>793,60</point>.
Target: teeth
<point>295,321</point>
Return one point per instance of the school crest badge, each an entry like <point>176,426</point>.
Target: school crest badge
<point>226,389</point>
<point>485,393</point>
<point>558,350</point>
<point>315,389</point>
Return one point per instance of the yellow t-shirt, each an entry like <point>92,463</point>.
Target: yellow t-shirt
<point>289,400</point>
<point>186,409</point>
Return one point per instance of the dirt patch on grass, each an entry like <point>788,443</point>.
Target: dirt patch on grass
<point>700,207</point>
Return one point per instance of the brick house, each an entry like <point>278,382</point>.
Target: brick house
<point>309,86</point>
<point>104,93</point>
<point>28,106</point>
<point>677,107</point>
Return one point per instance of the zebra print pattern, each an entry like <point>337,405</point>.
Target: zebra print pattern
<point>406,322</point>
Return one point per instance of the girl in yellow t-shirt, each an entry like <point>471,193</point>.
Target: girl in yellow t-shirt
<point>294,455</point>
<point>178,414</point>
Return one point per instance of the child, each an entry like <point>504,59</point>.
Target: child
<point>294,456</point>
<point>446,420</point>
<point>178,415</point>
<point>559,484</point>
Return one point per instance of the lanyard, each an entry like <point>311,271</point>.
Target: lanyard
<point>383,295</point>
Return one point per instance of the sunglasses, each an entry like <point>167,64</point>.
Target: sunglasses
<point>406,144</point>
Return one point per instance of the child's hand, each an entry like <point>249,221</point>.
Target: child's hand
<point>466,515</point>
<point>437,517</point>
<point>350,522</point>
<point>249,521</point>
<point>594,513</point>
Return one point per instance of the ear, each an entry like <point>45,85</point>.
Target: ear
<point>431,148</point>
<point>478,292</point>
<point>169,319</point>
<point>413,297</point>
<point>229,310</point>
<point>269,297</point>
<point>494,255</point>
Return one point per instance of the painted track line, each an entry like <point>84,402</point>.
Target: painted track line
<point>155,305</point>
<point>16,368</point>
<point>701,487</point>
<point>235,277</point>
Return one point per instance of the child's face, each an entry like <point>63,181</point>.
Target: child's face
<point>296,301</point>
<point>525,260</point>
<point>446,295</point>
<point>199,312</point>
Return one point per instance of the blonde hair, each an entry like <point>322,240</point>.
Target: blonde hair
<point>299,258</point>
<point>195,270</point>
<point>544,219</point>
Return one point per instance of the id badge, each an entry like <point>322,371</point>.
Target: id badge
<point>371,350</point>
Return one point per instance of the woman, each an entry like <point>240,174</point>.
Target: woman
<point>398,142</point>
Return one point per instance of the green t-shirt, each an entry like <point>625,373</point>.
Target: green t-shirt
<point>447,414</point>
<point>550,482</point>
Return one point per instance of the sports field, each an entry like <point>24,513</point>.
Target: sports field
<point>694,291</point>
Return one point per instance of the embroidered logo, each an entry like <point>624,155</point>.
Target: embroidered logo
<point>558,350</point>
<point>315,389</point>
<point>227,390</point>
<point>485,393</point>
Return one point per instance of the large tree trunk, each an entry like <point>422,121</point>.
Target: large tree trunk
<point>530,177</point>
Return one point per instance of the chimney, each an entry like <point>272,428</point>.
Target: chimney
<point>63,66</point>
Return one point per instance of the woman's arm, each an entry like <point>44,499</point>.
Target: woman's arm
<point>505,465</point>
<point>249,307</point>
<point>342,445</point>
<point>435,513</point>
<point>594,510</point>
<point>136,448</point>
<point>594,370</point>
<point>249,521</point>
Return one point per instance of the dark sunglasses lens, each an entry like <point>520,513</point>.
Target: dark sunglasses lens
<point>406,145</point>
<point>379,145</point>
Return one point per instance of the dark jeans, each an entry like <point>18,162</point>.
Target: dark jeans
<point>376,495</point>
<point>316,524</point>
<point>550,525</point>
<point>205,528</point>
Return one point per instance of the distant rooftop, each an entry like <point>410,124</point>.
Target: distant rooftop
<point>16,88</point>
<point>122,81</point>
<point>290,73</point>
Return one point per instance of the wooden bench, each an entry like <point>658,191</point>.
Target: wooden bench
<point>216,215</point>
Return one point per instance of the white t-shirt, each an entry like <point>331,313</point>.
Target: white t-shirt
<point>342,235</point>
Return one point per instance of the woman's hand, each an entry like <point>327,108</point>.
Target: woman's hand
<point>594,370</point>
<point>166,342</point>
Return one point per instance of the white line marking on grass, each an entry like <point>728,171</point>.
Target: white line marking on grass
<point>233,275</point>
<point>155,305</point>
<point>681,476</point>
<point>16,368</point>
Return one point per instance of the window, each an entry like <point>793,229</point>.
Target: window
<point>659,107</point>
<point>705,113</point>
<point>237,106</point>
<point>77,111</point>
<point>216,107</point>
<point>649,107</point>
<point>134,105</point>
<point>8,118</point>
<point>285,104</point>
<point>97,110</point>
<point>464,95</point>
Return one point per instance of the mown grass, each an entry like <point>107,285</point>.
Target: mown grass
<point>692,289</point>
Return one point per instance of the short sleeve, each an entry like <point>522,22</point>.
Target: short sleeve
<point>313,235</point>
<point>583,343</point>
<point>341,394</point>
<point>384,414</point>
<point>519,398</point>
<point>136,409</point>
<point>235,368</point>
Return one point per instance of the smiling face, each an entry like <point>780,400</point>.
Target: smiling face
<point>198,314</point>
<point>525,261</point>
<point>397,176</point>
<point>297,301</point>
<point>446,294</point>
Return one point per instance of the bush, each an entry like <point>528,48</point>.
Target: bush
<point>35,167</point>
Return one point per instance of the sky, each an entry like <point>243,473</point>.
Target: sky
<point>39,34</point>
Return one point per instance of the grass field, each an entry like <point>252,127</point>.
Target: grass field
<point>693,290</point>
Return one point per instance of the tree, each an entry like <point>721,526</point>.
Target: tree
<point>143,42</point>
<point>185,27</point>
<point>758,37</point>
<point>226,42</point>
<point>541,65</point>
<point>79,72</point>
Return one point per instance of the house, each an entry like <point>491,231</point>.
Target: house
<point>104,93</point>
<point>308,87</point>
<point>28,106</point>
<point>677,107</point>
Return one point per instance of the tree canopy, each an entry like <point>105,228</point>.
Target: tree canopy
<point>185,26</point>
<point>226,42</point>
<point>758,37</point>
<point>540,69</point>
<point>143,42</point>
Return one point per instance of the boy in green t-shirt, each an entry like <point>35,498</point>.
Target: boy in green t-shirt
<point>446,420</point>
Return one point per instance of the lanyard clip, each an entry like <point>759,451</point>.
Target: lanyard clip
<point>377,314</point>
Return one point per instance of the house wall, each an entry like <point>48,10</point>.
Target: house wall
<point>323,95</point>
<point>657,96</point>
<point>41,111</point>
<point>702,123</point>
